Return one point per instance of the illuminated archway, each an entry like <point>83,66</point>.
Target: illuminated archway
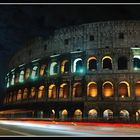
<point>25,93</point>
<point>19,95</point>
<point>78,65</point>
<point>42,70</point>
<point>108,114</point>
<point>124,89</point>
<point>8,82</point>
<point>92,114</point>
<point>64,93</point>
<point>52,91</point>
<point>34,72</point>
<point>13,79</point>
<point>92,64</point>
<point>92,89</point>
<point>53,68</point>
<point>32,95</point>
<point>78,114</point>
<point>21,76</point>
<point>124,114</point>
<point>41,91</point>
<point>65,66</point>
<point>63,114</point>
<point>136,62</point>
<point>138,115</point>
<point>137,89</point>
<point>107,62</point>
<point>122,63</point>
<point>77,90</point>
<point>107,89</point>
<point>17,78</point>
<point>27,75</point>
<point>52,114</point>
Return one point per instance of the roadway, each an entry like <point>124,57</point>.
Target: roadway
<point>56,129</point>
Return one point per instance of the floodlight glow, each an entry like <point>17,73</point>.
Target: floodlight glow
<point>12,70</point>
<point>13,80</point>
<point>52,67</point>
<point>81,70</point>
<point>7,85</point>
<point>136,68</point>
<point>76,52</point>
<point>36,60</point>
<point>21,65</point>
<point>135,48</point>
<point>137,56</point>
<point>8,80</point>
<point>75,62</point>
<point>55,55</point>
<point>122,96</point>
<point>21,77</point>
<point>34,73</point>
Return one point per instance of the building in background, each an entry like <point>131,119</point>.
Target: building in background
<point>89,72</point>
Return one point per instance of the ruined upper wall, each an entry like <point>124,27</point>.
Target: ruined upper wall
<point>85,37</point>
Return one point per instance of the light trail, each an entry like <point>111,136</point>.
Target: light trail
<point>80,129</point>
<point>47,128</point>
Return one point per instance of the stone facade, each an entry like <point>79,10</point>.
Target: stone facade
<point>104,42</point>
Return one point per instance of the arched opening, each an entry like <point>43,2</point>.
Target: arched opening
<point>40,114</point>
<point>137,89</point>
<point>19,95</point>
<point>124,89</point>
<point>63,114</point>
<point>107,62</point>
<point>78,114</point>
<point>34,72</point>
<point>41,92</point>
<point>53,68</point>
<point>65,66</point>
<point>136,62</point>
<point>32,92</point>
<point>42,70</point>
<point>8,82</point>
<point>17,78</point>
<point>13,80</point>
<point>25,93</point>
<point>108,114</point>
<point>14,97</point>
<point>107,89</point>
<point>10,97</point>
<point>92,64</point>
<point>52,91</point>
<point>52,114</point>
<point>27,75</point>
<point>138,115</point>
<point>124,115</point>
<point>21,76</point>
<point>92,114</point>
<point>77,90</point>
<point>64,93</point>
<point>122,63</point>
<point>92,89</point>
<point>78,65</point>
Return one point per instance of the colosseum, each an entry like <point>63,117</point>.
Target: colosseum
<point>89,72</point>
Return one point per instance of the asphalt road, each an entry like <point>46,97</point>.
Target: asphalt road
<point>19,128</point>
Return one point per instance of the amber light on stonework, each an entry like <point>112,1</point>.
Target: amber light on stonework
<point>107,88</point>
<point>92,89</point>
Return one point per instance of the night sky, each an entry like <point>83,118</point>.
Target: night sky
<point>20,23</point>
